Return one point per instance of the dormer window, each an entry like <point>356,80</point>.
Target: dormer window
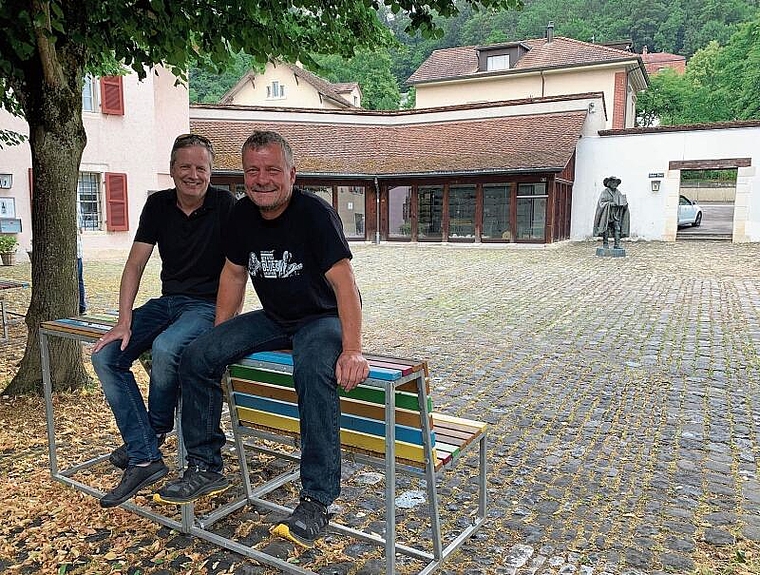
<point>498,62</point>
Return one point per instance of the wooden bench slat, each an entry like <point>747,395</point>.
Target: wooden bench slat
<point>461,423</point>
<point>349,438</point>
<point>366,393</point>
<point>347,405</point>
<point>347,421</point>
<point>286,359</point>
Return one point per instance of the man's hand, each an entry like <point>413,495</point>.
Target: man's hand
<point>119,331</point>
<point>351,369</point>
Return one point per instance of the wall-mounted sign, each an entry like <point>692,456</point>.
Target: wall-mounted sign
<point>7,207</point>
<point>656,175</point>
<point>10,225</point>
<point>6,181</point>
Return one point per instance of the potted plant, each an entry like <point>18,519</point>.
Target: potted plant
<point>8,245</point>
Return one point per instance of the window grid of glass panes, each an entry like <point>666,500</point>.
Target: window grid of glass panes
<point>88,194</point>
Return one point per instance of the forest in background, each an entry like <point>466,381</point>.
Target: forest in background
<point>721,40</point>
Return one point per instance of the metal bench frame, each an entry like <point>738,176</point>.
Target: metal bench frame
<point>190,524</point>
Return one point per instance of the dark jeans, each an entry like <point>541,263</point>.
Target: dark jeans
<point>82,295</point>
<point>316,347</point>
<point>165,325</point>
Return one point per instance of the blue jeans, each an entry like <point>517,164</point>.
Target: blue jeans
<point>316,347</point>
<point>165,325</point>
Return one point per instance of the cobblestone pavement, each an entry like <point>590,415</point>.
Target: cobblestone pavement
<point>622,393</point>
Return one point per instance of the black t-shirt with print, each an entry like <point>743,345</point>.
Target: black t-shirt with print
<point>190,247</point>
<point>287,257</point>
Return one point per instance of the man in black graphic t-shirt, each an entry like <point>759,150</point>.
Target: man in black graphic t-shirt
<point>292,246</point>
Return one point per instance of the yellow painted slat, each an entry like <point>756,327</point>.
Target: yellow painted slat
<point>482,426</point>
<point>348,438</point>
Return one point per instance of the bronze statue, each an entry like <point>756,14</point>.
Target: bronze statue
<point>612,214</point>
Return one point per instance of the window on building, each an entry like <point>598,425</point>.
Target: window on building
<point>531,211</point>
<point>496,203</point>
<point>89,94</point>
<point>430,212</point>
<point>498,62</point>
<point>90,201</point>
<point>399,212</point>
<point>462,212</point>
<point>275,91</point>
<point>324,192</point>
<point>351,209</point>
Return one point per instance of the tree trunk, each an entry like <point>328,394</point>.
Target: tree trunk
<point>57,139</point>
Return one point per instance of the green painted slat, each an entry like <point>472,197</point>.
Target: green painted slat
<point>369,394</point>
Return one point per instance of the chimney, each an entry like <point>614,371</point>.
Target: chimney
<point>550,32</point>
<point>645,50</point>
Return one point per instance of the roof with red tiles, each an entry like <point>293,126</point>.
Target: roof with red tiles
<point>656,61</point>
<point>561,52</point>
<point>539,142</point>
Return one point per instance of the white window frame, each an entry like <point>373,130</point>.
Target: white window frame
<point>90,94</point>
<point>275,91</point>
<point>497,62</point>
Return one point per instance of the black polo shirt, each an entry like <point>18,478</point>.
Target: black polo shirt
<point>190,246</point>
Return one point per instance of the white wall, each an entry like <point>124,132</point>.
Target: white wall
<point>529,85</point>
<point>632,157</point>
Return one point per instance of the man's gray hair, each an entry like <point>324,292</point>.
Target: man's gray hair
<point>262,138</point>
<point>189,141</point>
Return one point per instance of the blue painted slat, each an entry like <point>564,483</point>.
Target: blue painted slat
<point>282,358</point>
<point>347,421</point>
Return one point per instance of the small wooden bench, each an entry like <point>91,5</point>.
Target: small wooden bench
<point>387,422</point>
<point>422,441</point>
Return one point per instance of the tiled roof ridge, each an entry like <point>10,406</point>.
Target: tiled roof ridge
<point>409,112</point>
<point>323,86</point>
<point>595,45</point>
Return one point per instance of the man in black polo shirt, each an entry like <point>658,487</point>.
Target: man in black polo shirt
<point>186,223</point>
<point>291,244</point>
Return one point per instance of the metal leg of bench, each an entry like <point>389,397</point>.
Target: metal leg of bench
<point>47,386</point>
<point>432,491</point>
<point>5,319</point>
<point>390,479</point>
<point>482,492</point>
<point>239,447</point>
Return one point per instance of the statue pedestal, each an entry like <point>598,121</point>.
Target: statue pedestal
<point>610,252</point>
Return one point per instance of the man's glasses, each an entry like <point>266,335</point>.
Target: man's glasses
<point>185,140</point>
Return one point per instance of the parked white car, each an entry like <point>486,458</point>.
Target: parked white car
<point>689,212</point>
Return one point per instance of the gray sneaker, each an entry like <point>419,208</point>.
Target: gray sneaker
<point>195,483</point>
<point>305,524</point>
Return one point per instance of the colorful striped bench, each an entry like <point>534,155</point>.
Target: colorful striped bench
<point>424,442</point>
<point>262,405</point>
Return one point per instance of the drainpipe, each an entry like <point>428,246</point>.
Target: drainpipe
<point>543,84</point>
<point>377,212</point>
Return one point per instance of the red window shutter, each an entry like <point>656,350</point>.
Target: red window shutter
<point>117,213</point>
<point>111,95</point>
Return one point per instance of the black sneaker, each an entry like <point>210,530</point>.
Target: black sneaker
<point>119,457</point>
<point>305,524</point>
<point>134,479</point>
<point>194,483</point>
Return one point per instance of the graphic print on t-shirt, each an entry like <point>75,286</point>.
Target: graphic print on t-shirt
<point>267,266</point>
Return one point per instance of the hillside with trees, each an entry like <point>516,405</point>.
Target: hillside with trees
<point>698,29</point>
